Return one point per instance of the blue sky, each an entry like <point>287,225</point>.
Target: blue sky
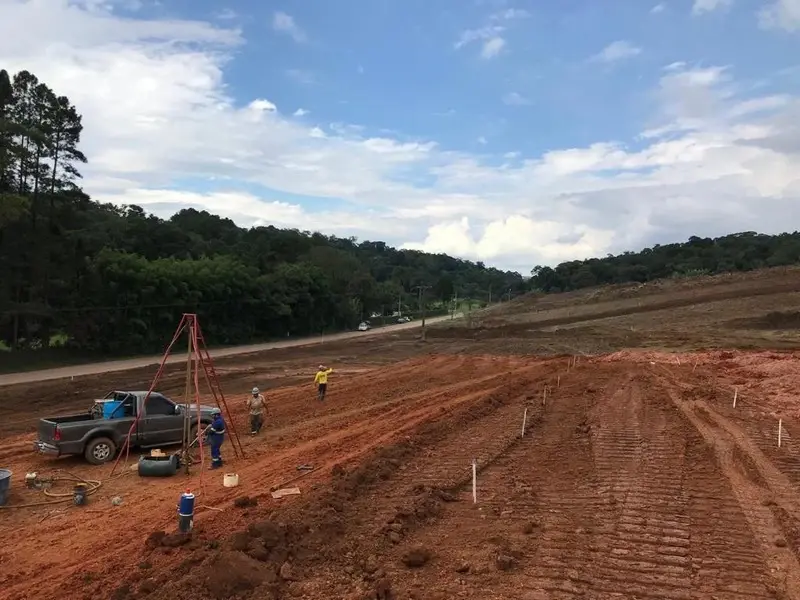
<point>517,133</point>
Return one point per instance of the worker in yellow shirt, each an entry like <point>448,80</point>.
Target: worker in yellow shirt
<point>321,381</point>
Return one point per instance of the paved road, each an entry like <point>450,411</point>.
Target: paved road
<point>136,363</point>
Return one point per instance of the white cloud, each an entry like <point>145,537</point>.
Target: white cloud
<point>715,158</point>
<point>474,35</point>
<point>706,6</point>
<point>260,105</point>
<point>515,235</point>
<point>491,36</point>
<point>492,47</point>
<point>300,112</point>
<point>658,8</point>
<point>515,99</point>
<point>285,24</point>
<point>781,14</point>
<point>616,51</point>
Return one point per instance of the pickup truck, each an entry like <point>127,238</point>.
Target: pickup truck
<point>99,438</point>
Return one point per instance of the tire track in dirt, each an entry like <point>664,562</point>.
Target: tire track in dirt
<point>514,515</point>
<point>388,409</point>
<point>648,548</point>
<point>623,512</point>
<point>747,471</point>
<point>570,512</point>
<point>726,561</point>
<point>447,464</point>
<point>763,431</point>
<point>441,464</point>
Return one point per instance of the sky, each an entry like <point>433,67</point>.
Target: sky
<point>518,133</point>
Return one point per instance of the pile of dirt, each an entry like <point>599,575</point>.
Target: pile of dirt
<point>230,574</point>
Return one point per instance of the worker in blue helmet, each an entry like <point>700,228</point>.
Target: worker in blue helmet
<point>216,435</point>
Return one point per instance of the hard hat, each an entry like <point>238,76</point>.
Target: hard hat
<point>255,391</point>
<point>216,411</point>
<point>322,367</point>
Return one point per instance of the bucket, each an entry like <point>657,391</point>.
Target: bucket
<point>79,494</point>
<point>5,485</point>
<point>230,480</point>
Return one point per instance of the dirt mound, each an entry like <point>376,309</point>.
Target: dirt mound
<point>229,574</point>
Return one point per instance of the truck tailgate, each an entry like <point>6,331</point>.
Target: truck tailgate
<point>47,430</point>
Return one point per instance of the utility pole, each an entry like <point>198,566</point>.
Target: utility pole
<point>421,289</point>
<point>400,303</point>
<point>490,293</point>
<point>455,306</point>
<point>509,294</point>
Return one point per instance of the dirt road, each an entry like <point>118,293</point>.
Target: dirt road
<point>635,478</point>
<point>135,363</point>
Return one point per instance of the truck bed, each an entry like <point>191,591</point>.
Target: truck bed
<point>68,419</point>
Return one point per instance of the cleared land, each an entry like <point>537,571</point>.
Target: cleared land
<point>636,476</point>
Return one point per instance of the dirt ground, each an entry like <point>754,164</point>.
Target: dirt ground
<point>636,476</point>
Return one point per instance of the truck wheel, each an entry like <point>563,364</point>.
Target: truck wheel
<point>100,450</point>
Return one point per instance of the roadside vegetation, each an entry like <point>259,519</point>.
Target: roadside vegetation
<point>86,279</point>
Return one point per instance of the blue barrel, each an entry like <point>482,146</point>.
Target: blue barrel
<point>112,409</point>
<point>5,485</point>
<point>186,512</point>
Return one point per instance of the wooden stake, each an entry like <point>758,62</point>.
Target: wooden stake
<point>474,481</point>
<point>694,367</point>
<point>558,381</point>
<point>780,430</point>
<point>544,396</point>
<point>524,421</point>
<point>735,396</point>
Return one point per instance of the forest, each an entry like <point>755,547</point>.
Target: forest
<point>744,251</point>
<point>114,280</point>
<point>78,276</point>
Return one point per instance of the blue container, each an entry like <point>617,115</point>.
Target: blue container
<point>5,485</point>
<point>186,512</point>
<point>112,409</point>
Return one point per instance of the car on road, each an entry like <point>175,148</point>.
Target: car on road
<point>100,433</point>
<point>404,320</point>
<point>364,326</point>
